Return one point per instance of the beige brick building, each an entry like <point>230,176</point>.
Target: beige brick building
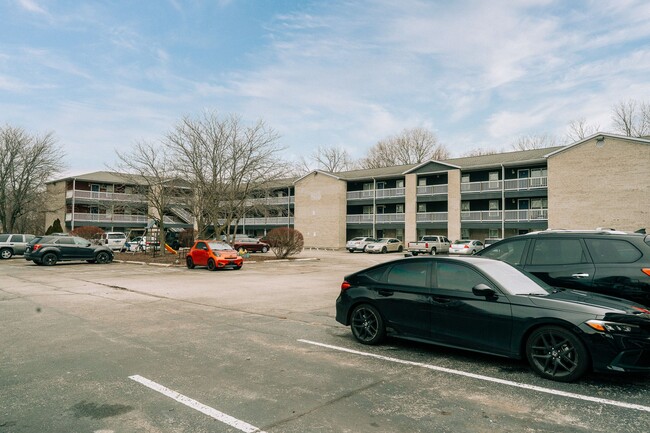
<point>601,181</point>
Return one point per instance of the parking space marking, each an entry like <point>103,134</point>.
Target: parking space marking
<point>207,410</point>
<point>484,378</point>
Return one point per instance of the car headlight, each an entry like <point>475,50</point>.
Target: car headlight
<point>603,326</point>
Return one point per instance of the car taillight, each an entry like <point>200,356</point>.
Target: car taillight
<point>426,245</point>
<point>465,246</point>
<point>345,285</point>
<point>36,247</point>
<point>646,271</point>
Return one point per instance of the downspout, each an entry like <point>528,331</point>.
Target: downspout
<point>289,207</point>
<point>374,207</point>
<point>503,201</point>
<point>74,188</point>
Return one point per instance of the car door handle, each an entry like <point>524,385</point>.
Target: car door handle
<point>580,276</point>
<point>440,300</point>
<point>386,293</point>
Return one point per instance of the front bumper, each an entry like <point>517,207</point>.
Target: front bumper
<point>620,352</point>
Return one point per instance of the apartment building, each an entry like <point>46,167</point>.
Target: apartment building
<point>601,181</point>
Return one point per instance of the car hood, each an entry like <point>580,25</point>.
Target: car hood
<point>576,300</point>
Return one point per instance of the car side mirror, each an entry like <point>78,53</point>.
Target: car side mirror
<point>484,290</point>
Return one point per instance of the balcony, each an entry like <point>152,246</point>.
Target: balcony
<point>267,221</point>
<point>382,218</point>
<point>431,217</point>
<point>509,185</point>
<point>105,196</point>
<point>107,218</point>
<point>432,189</point>
<point>271,201</point>
<point>510,215</point>
<point>376,193</point>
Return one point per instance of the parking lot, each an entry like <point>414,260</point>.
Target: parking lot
<point>134,348</point>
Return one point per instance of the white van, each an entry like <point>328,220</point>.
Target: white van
<point>114,240</point>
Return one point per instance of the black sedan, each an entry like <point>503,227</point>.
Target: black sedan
<point>490,306</point>
<point>48,250</point>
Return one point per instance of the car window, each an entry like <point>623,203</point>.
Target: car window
<point>65,241</point>
<point>16,238</point>
<point>612,251</point>
<point>558,252</point>
<point>201,246</point>
<point>509,252</point>
<point>453,276</point>
<point>29,238</point>
<point>376,274</point>
<point>116,236</point>
<point>408,274</point>
<point>81,241</point>
<point>3,238</point>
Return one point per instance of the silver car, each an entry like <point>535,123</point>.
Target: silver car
<point>359,243</point>
<point>385,245</point>
<point>466,246</point>
<point>13,244</point>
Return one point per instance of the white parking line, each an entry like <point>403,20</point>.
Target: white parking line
<point>485,378</point>
<point>219,416</point>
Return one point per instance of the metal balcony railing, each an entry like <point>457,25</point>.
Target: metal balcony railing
<point>107,218</point>
<point>382,218</point>
<point>526,183</point>
<point>377,193</point>
<point>105,196</point>
<point>432,189</point>
<point>510,215</point>
<point>431,217</point>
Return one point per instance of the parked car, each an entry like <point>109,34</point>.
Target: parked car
<point>114,240</point>
<point>493,307</point>
<point>429,245</point>
<point>359,243</point>
<point>250,245</point>
<point>48,250</point>
<point>604,261</point>
<point>466,246</point>
<point>13,244</point>
<point>213,254</point>
<point>385,245</point>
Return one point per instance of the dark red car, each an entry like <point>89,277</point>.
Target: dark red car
<point>250,245</point>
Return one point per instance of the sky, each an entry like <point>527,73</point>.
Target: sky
<point>105,75</point>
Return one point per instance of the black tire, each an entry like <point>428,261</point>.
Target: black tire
<point>6,253</point>
<point>400,249</point>
<point>415,253</point>
<point>433,251</point>
<point>557,354</point>
<point>189,262</point>
<point>238,267</point>
<point>212,265</point>
<point>384,250</point>
<point>351,251</point>
<point>265,249</point>
<point>102,258</point>
<point>367,324</point>
<point>90,261</point>
<point>365,248</point>
<point>49,259</point>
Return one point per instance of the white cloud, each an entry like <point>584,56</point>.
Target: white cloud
<point>32,6</point>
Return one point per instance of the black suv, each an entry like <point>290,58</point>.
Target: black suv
<point>48,250</point>
<point>604,261</point>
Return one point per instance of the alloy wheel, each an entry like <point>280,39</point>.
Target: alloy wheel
<point>367,324</point>
<point>557,354</point>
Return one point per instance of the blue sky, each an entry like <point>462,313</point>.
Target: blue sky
<point>103,75</point>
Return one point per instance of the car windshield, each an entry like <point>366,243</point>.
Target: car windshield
<point>383,241</point>
<point>514,280</point>
<point>461,242</point>
<point>356,239</point>
<point>219,246</point>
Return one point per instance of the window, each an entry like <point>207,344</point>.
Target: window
<point>80,241</point>
<point>375,274</point>
<point>399,208</point>
<point>367,210</point>
<point>422,207</point>
<point>16,238</point>
<point>399,183</point>
<point>367,186</point>
<point>538,172</point>
<point>453,276</point>
<point>3,238</point>
<point>381,209</point>
<point>464,233</point>
<point>493,205</point>
<point>65,241</point>
<point>539,203</point>
<point>381,185</point>
<point>558,252</point>
<point>201,246</point>
<point>612,251</point>
<point>464,178</point>
<point>422,181</point>
<point>464,206</point>
<point>409,274</point>
<point>493,233</point>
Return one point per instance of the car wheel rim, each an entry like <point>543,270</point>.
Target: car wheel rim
<point>49,260</point>
<point>102,258</point>
<point>365,324</point>
<point>5,254</point>
<point>554,355</point>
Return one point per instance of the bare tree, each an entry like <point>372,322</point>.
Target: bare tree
<point>333,159</point>
<point>579,130</point>
<point>26,162</point>
<point>227,163</point>
<point>149,166</point>
<point>534,141</point>
<point>631,118</point>
<point>411,146</point>
<point>480,152</point>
